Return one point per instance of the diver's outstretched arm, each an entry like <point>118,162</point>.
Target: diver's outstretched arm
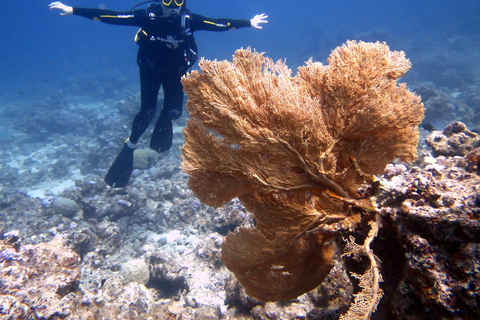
<point>66,10</point>
<point>259,18</point>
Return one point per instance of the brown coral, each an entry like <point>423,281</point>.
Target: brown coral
<point>279,143</point>
<point>38,281</point>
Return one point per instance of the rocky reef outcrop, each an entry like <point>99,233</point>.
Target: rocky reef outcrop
<point>63,266</point>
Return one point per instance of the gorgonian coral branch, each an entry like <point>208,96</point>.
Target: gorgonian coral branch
<point>366,301</point>
<point>283,145</point>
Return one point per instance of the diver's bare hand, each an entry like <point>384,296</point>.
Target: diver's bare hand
<point>66,10</point>
<point>259,18</point>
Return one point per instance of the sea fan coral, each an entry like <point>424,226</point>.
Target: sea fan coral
<point>283,145</point>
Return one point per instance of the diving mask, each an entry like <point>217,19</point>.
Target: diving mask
<point>173,3</point>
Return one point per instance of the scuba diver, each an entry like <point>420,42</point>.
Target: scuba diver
<point>167,49</point>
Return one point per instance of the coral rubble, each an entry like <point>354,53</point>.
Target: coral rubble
<point>64,260</point>
<point>38,281</point>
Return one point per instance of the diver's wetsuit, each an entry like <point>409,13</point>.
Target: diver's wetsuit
<point>163,57</point>
<point>166,51</point>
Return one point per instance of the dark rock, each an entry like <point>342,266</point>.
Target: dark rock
<point>65,207</point>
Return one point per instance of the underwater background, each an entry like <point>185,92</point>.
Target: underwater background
<point>42,52</point>
<point>69,89</point>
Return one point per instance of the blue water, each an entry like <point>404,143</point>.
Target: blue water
<point>41,51</point>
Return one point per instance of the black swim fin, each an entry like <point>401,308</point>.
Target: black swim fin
<point>121,169</point>
<point>162,135</point>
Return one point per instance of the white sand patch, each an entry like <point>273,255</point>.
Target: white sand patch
<point>54,186</point>
<point>170,237</point>
<point>17,162</point>
<point>177,129</point>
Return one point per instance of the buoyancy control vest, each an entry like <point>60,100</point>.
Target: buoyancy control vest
<point>166,43</point>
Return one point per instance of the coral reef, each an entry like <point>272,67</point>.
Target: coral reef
<point>431,218</point>
<point>428,244</point>
<point>455,140</point>
<point>428,240</point>
<point>38,281</point>
<point>441,105</point>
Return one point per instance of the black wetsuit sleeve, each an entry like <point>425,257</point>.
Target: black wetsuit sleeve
<point>127,18</point>
<point>200,22</point>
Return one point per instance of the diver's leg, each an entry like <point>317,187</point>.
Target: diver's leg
<point>121,169</point>
<point>149,87</point>
<point>162,135</point>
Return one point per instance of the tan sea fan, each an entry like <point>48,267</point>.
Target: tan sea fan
<point>283,145</point>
